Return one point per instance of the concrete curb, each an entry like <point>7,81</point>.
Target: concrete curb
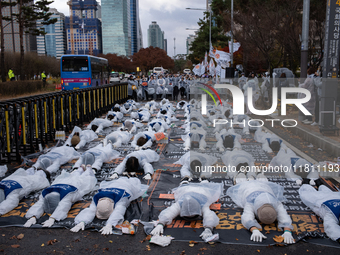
<point>323,142</point>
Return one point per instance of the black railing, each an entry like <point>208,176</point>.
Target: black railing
<point>29,123</point>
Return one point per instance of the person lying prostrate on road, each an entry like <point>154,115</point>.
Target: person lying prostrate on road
<point>228,140</point>
<point>158,125</point>
<point>117,138</point>
<point>181,105</point>
<point>115,115</point>
<point>131,126</point>
<point>96,157</point>
<point>326,204</point>
<point>20,184</point>
<point>110,203</point>
<point>58,199</point>
<point>129,107</point>
<point>58,156</point>
<point>262,200</point>
<point>142,116</point>
<point>241,120</point>
<point>270,142</point>
<point>138,161</point>
<point>195,164</point>
<point>121,109</point>
<point>196,116</point>
<point>143,140</point>
<point>192,202</point>
<point>238,163</point>
<point>194,125</point>
<point>78,138</point>
<point>291,163</point>
<point>195,139</point>
<point>98,125</point>
<point>152,106</point>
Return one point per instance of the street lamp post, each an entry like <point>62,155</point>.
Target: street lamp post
<point>199,9</point>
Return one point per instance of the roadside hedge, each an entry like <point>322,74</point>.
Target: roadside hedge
<point>13,88</point>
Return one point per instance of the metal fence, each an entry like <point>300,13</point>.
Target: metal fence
<point>27,124</point>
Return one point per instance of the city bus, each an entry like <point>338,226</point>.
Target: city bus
<point>83,71</point>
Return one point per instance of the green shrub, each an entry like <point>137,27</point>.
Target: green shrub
<point>13,88</point>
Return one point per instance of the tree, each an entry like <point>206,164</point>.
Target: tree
<point>148,58</point>
<point>28,14</point>
<point>119,63</point>
<point>3,4</point>
<point>201,43</point>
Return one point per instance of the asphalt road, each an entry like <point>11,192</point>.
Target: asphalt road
<point>41,241</point>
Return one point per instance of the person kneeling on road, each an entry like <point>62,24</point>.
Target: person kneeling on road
<point>138,161</point>
<point>57,199</point>
<point>262,200</point>
<point>110,203</point>
<point>192,202</point>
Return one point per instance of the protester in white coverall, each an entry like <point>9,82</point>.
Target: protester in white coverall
<point>98,125</point>
<point>195,164</point>
<point>161,90</point>
<point>270,142</point>
<point>239,162</point>
<point>326,204</point>
<point>96,157</point>
<point>192,201</point>
<point>55,158</point>
<point>143,116</point>
<point>152,105</point>
<point>121,108</point>
<point>115,116</point>
<point>58,199</point>
<point>117,138</point>
<point>131,126</point>
<point>195,139</point>
<point>228,140</point>
<point>20,184</point>
<point>138,161</point>
<point>84,136</point>
<point>182,104</point>
<point>291,163</point>
<point>251,83</point>
<point>262,200</point>
<point>158,125</point>
<point>129,107</point>
<point>110,203</point>
<point>143,140</point>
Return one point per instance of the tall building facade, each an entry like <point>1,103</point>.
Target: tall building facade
<point>83,28</point>
<point>155,36</point>
<point>190,39</point>
<point>53,43</point>
<point>165,47</point>
<point>136,31</point>
<point>116,20</point>
<point>11,32</point>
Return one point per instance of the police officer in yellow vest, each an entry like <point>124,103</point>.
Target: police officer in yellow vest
<point>11,75</point>
<point>43,78</point>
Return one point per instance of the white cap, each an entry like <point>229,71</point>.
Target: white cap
<point>104,208</point>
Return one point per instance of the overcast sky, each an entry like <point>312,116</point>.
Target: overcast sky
<point>171,16</point>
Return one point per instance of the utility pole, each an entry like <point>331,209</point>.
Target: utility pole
<point>174,47</point>
<point>305,37</point>
<point>232,35</point>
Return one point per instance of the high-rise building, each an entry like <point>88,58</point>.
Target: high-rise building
<point>53,43</point>
<point>11,32</point>
<point>190,39</point>
<point>116,22</point>
<point>136,31</point>
<point>83,28</point>
<point>155,36</point>
<point>165,47</point>
<point>99,11</point>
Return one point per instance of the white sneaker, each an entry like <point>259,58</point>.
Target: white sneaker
<point>314,124</point>
<point>307,122</point>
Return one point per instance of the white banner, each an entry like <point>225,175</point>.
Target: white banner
<point>236,45</point>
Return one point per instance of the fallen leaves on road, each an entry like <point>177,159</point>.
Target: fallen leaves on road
<point>182,253</point>
<point>203,249</point>
<point>148,248</point>
<point>146,239</point>
<point>13,237</point>
<point>258,251</point>
<point>193,242</point>
<point>50,242</point>
<point>21,236</point>
<point>15,245</point>
<point>278,239</point>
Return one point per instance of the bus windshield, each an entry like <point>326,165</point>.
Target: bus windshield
<point>75,64</point>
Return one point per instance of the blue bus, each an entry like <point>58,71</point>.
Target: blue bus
<point>83,71</point>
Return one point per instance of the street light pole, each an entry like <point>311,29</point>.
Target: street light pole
<point>232,35</point>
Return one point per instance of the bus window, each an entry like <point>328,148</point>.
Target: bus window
<point>71,64</point>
